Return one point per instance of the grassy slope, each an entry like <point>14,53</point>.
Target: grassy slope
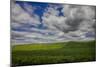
<point>53,53</point>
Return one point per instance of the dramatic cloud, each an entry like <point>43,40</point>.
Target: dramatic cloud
<point>56,23</point>
<point>76,18</point>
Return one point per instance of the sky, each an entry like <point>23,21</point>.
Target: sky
<point>36,22</point>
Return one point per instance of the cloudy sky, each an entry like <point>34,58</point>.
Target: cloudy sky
<point>34,22</point>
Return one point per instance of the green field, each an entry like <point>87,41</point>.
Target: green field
<point>51,53</point>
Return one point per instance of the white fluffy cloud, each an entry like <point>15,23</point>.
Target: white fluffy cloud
<point>19,15</point>
<point>75,11</point>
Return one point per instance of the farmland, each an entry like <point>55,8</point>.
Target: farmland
<point>53,53</point>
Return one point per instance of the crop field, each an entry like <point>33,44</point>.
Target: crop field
<point>53,53</point>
